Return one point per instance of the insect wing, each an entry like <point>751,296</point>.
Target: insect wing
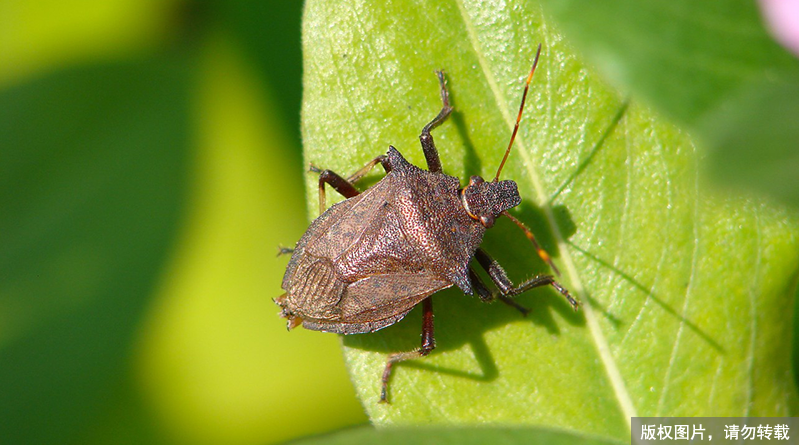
<point>345,222</point>
<point>334,231</point>
<point>378,301</point>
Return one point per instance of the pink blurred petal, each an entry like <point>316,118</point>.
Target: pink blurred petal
<point>782,17</point>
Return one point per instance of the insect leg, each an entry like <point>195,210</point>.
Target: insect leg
<point>382,159</point>
<point>482,291</point>
<point>428,344</point>
<point>505,285</point>
<point>345,186</point>
<point>487,296</point>
<point>428,146</point>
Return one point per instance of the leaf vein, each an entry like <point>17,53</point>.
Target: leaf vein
<point>688,290</point>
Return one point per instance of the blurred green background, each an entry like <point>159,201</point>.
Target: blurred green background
<point>150,166</point>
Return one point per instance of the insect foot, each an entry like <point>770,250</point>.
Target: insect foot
<point>365,262</point>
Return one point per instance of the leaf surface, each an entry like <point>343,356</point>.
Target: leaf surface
<point>684,288</point>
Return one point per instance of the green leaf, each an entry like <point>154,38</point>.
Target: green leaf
<point>459,436</point>
<point>710,65</point>
<point>91,185</point>
<point>687,290</point>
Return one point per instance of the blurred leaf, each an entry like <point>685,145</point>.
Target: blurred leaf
<point>217,363</point>
<point>47,35</point>
<point>91,187</point>
<point>269,32</point>
<point>685,57</point>
<point>711,65</point>
<point>759,154</point>
<point>444,436</point>
<point>684,290</point>
<point>125,419</point>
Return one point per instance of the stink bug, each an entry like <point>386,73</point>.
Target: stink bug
<point>367,261</point>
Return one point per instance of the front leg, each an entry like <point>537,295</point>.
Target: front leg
<point>486,295</point>
<point>506,286</point>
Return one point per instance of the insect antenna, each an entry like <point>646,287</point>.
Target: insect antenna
<point>519,116</point>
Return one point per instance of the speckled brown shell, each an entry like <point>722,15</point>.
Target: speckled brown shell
<point>367,261</point>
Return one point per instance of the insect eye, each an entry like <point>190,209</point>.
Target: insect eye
<point>487,221</point>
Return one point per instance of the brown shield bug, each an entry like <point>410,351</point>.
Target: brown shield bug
<point>367,261</point>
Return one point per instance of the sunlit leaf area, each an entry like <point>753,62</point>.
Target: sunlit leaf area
<point>154,158</point>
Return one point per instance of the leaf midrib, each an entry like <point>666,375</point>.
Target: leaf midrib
<point>600,342</point>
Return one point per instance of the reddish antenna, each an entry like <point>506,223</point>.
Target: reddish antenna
<point>519,117</point>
